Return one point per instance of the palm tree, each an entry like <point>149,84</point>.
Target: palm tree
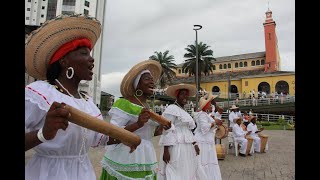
<point>205,60</point>
<point>167,65</point>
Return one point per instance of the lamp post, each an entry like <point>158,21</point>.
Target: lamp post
<point>229,83</point>
<point>196,28</point>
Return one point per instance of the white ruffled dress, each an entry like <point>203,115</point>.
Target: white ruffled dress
<point>183,164</point>
<point>59,158</point>
<point>117,157</point>
<point>205,138</point>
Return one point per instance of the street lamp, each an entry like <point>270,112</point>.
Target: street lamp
<point>196,28</point>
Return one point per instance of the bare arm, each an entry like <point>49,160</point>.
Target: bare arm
<point>31,140</point>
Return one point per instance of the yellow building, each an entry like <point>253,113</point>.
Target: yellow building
<point>258,71</point>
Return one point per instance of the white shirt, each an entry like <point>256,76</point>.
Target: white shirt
<point>204,133</point>
<point>59,158</point>
<point>253,128</point>
<point>232,116</point>
<point>238,132</point>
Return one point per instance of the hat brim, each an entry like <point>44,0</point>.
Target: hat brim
<point>171,90</point>
<point>43,42</point>
<point>126,87</point>
<point>203,101</point>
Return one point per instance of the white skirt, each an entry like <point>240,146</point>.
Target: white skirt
<point>209,160</point>
<point>183,165</point>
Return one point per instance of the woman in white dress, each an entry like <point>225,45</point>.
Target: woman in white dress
<point>178,149</point>
<point>59,51</point>
<point>131,113</point>
<point>205,134</point>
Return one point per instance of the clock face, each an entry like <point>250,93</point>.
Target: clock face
<point>268,14</point>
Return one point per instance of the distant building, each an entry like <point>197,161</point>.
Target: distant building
<point>107,101</point>
<point>39,11</point>
<point>257,71</point>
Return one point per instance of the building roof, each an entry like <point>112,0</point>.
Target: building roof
<point>236,57</point>
<point>233,76</point>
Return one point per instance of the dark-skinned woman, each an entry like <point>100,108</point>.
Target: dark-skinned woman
<point>205,133</point>
<point>58,56</point>
<point>178,148</point>
<point>132,113</point>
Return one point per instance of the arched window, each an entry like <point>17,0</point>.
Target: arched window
<point>229,65</point>
<point>262,62</point>
<point>241,64</point>
<point>179,71</point>
<point>214,67</point>
<point>245,64</point>
<point>258,62</point>
<point>220,66</point>
<point>225,66</point>
<point>253,63</point>
<point>236,65</point>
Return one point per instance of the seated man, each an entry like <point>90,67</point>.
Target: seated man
<point>254,134</point>
<point>239,136</point>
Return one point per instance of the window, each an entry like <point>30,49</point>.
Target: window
<point>179,71</point>
<point>246,83</point>
<point>28,9</point>
<point>253,63</point>
<point>43,7</point>
<point>86,3</point>
<point>229,65</point>
<point>214,67</point>
<point>29,0</point>
<point>258,62</point>
<point>225,66</point>
<point>262,62</point>
<point>220,66</point>
<point>42,15</point>
<point>86,12</point>
<point>27,18</point>
<point>236,65</point>
<point>41,24</point>
<point>245,64</point>
<point>241,64</point>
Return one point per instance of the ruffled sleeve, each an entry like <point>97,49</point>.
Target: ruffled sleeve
<point>34,116</point>
<point>203,123</point>
<point>168,137</point>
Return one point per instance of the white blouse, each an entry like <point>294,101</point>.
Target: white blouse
<point>65,157</point>
<point>181,125</point>
<point>204,133</point>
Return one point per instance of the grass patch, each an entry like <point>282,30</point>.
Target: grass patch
<point>274,126</point>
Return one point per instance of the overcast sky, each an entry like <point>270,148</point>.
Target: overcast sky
<point>135,29</point>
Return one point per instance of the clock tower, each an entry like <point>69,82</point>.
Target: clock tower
<point>272,62</point>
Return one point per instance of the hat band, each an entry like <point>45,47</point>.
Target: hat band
<point>70,46</point>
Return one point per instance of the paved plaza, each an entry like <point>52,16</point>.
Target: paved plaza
<point>277,164</point>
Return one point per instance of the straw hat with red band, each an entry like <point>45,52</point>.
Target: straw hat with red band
<point>126,87</point>
<point>205,100</point>
<point>173,90</point>
<point>55,38</point>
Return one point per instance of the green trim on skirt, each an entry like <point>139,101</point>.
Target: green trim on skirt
<point>133,174</point>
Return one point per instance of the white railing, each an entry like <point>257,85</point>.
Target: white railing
<point>258,102</point>
<point>260,117</point>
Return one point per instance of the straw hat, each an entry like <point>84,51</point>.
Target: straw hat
<point>46,40</point>
<point>126,87</point>
<point>171,90</point>
<point>234,107</point>
<point>205,99</point>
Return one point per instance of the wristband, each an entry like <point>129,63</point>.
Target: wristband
<point>40,136</point>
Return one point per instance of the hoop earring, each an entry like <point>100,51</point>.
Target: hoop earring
<point>139,92</point>
<point>207,111</point>
<point>72,73</point>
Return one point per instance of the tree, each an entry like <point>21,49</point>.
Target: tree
<point>205,60</point>
<point>167,65</point>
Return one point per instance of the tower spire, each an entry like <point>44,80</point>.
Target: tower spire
<point>268,6</point>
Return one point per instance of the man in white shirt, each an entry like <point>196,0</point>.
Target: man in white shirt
<point>239,136</point>
<point>254,134</point>
<point>233,115</point>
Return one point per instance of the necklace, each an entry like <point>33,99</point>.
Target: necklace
<point>141,102</point>
<point>67,89</point>
<point>84,130</point>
